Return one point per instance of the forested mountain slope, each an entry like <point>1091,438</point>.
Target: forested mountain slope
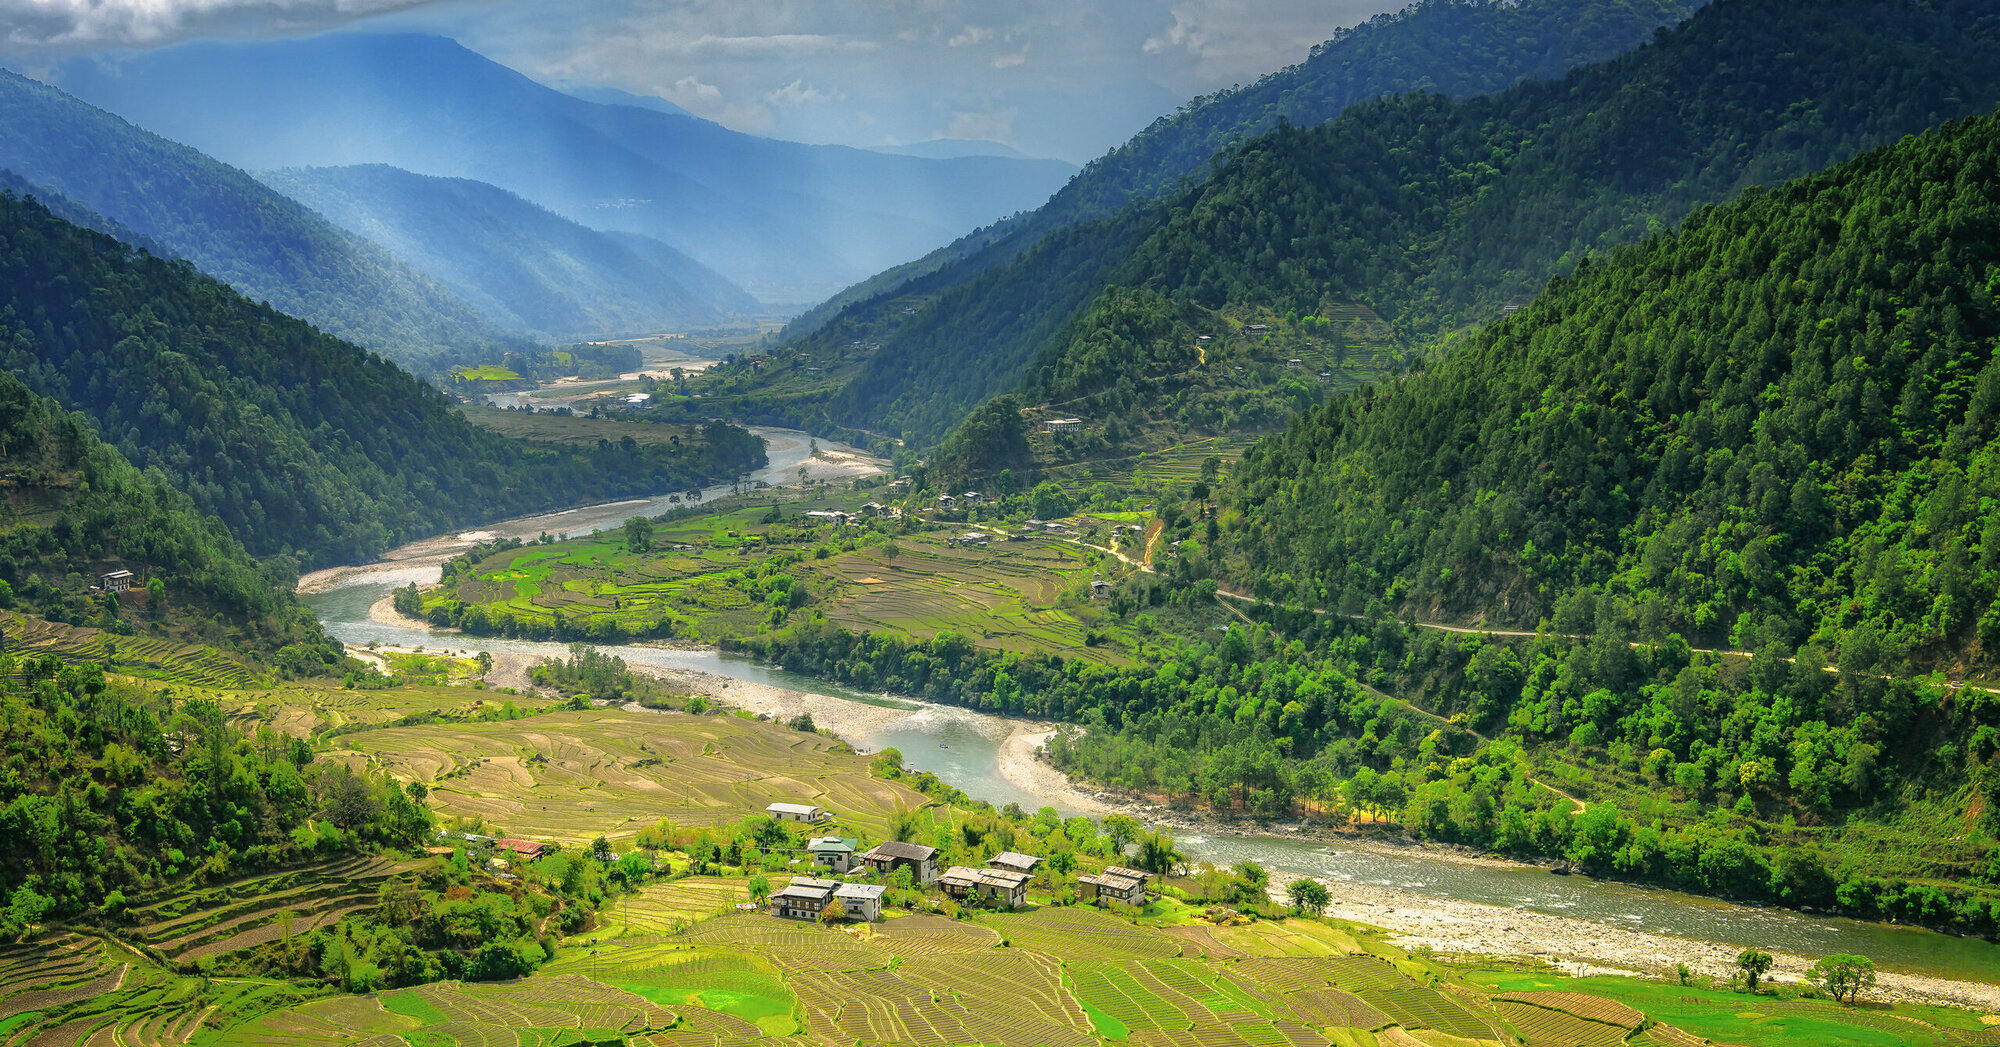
<point>1773,425</point>
<point>235,229</point>
<point>298,441</point>
<point>527,268</point>
<point>788,222</point>
<point>1456,47</point>
<point>1435,213</point>
<point>74,508</point>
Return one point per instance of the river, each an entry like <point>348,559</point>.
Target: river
<point>963,747</point>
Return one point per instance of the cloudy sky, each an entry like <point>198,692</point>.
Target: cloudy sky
<point>1062,78</point>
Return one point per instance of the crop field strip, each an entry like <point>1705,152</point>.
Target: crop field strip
<point>1081,936</point>
<point>1417,1006</point>
<point>1544,1027</point>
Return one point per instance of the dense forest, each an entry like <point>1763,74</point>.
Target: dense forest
<point>1437,213</point>
<point>1772,426</point>
<point>302,444</point>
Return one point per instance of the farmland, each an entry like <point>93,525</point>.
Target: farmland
<point>579,430</point>
<point>688,969</point>
<point>573,775</point>
<point>745,569</point>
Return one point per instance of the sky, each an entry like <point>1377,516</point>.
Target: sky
<point>1060,78</point>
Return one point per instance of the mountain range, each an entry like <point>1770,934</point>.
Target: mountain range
<point>787,222</point>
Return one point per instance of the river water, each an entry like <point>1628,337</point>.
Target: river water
<point>963,747</point>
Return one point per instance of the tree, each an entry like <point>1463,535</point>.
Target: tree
<point>1308,896</point>
<point>1842,975</point>
<point>1122,830</point>
<point>600,849</point>
<point>639,535</point>
<point>1157,854</point>
<point>833,913</point>
<point>1753,964</point>
<point>760,888</point>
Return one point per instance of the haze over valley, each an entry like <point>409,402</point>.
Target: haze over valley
<point>1474,522</point>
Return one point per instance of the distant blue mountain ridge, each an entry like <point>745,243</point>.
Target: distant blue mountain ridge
<point>789,223</point>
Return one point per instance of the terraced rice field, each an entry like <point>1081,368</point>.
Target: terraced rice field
<point>1050,976</point>
<point>571,776</point>
<point>142,656</point>
<point>255,910</point>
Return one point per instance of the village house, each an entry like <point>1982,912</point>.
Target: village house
<point>804,898</point>
<point>835,854</point>
<point>1013,861</point>
<point>1002,886</point>
<point>872,508</point>
<point>1065,425</point>
<point>1256,328</point>
<point>885,858</point>
<point>972,498</point>
<point>863,901</point>
<point>946,502</point>
<point>798,812</point>
<point>117,581</point>
<point>521,850</point>
<point>1100,589</point>
<point>1295,363</point>
<point>1115,884</point>
<point>827,515</point>
<point>969,539</point>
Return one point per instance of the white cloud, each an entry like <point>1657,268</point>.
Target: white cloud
<point>87,24</point>
<point>1011,59</point>
<point>798,93</point>
<point>690,93</point>
<point>973,34</point>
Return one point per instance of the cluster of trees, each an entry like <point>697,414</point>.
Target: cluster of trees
<point>453,921</point>
<point>1773,426</point>
<point>108,791</point>
<point>300,443</point>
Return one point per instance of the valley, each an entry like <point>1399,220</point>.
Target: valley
<point>1487,535</point>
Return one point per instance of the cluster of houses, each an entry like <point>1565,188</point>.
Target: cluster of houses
<point>1002,882</point>
<point>836,862</point>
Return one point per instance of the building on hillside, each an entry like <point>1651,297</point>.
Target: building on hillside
<point>798,812</point>
<point>1115,884</point>
<point>969,539</point>
<point>638,399</point>
<point>886,857</point>
<point>1014,861</point>
<point>804,898</point>
<point>1065,425</point>
<point>1256,328</point>
<point>863,901</point>
<point>872,508</point>
<point>1004,887</point>
<point>1100,589</point>
<point>522,850</point>
<point>1295,363</point>
<point>947,502</point>
<point>117,581</point>
<point>827,515</point>
<point>972,498</point>
<point>835,854</point>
